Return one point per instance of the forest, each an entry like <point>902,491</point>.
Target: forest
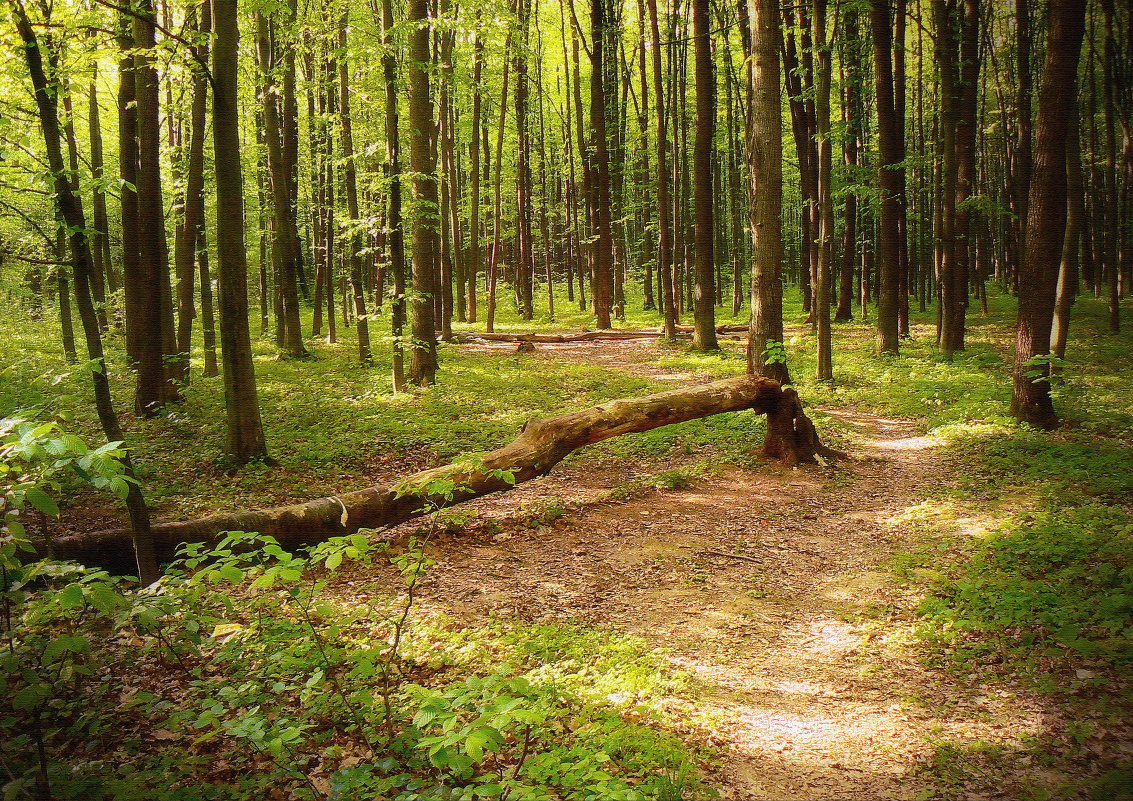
<point>566,400</point>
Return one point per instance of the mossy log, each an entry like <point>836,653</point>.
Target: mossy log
<point>539,447</point>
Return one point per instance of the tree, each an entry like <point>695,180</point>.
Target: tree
<point>241,400</point>
<point>766,353</point>
<point>1046,217</point>
<point>426,202</point>
<point>704,314</point>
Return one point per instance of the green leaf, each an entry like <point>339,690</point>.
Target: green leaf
<point>42,501</point>
<point>334,560</point>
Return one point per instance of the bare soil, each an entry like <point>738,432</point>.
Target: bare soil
<point>770,587</point>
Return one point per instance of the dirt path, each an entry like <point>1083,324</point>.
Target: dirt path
<point>769,587</point>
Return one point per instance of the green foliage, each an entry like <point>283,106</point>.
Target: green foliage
<point>1052,580</point>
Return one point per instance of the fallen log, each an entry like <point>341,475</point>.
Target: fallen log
<point>540,445</point>
<point>586,336</point>
<point>582,336</point>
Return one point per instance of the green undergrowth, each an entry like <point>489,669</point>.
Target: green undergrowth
<point>249,671</point>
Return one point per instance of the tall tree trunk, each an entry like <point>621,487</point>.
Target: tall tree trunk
<point>395,238</point>
<point>350,174</point>
<point>1067,289</point>
<point>193,203</point>
<point>1046,223</point>
<point>704,314</point>
<point>70,210</point>
<point>284,245</point>
<point>423,161</point>
<point>823,72</point>
<point>600,167</point>
<point>473,265</point>
<point>766,353</point>
<point>103,276</point>
<point>133,289</point>
<point>158,374</point>
<point>241,401</point>
<point>664,179</point>
<point>888,156</point>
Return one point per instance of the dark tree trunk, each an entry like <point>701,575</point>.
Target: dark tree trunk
<point>395,237</point>
<point>664,179</point>
<point>600,168</point>
<point>1046,223</point>
<point>158,371</point>
<point>704,313</point>
<point>350,174</point>
<point>889,149</point>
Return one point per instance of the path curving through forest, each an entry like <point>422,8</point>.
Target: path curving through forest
<point>770,587</point>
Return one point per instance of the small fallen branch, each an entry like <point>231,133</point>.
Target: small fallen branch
<point>540,446</point>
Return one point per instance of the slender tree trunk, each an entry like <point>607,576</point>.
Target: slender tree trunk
<point>825,197</point>
<point>69,208</point>
<point>664,179</point>
<point>473,266</point>
<point>600,167</point>
<point>888,156</point>
<point>426,202</point>
<point>395,238</point>
<point>704,315</point>
<point>193,204</point>
<point>103,275</point>
<point>350,173</point>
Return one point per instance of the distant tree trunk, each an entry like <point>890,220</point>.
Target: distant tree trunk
<point>158,375</point>
<point>851,110</point>
<point>284,246</point>
<point>664,178</point>
<point>395,237</point>
<point>889,155</point>
<point>1046,223</point>
<point>473,266</point>
<point>241,401</point>
<point>208,318</point>
<point>426,202</point>
<point>600,168</point>
<point>704,313</point>
<point>102,266</point>
<point>193,204</point>
<point>766,354</point>
<point>497,211</point>
<point>350,173</point>
<point>1067,289</point>
<point>1021,166</point>
<point>525,265</point>
<point>70,210</point>
<point>128,173</point>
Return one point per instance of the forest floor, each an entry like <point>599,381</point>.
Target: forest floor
<point>775,590</point>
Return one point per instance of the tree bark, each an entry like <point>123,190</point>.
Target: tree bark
<point>241,401</point>
<point>704,311</point>
<point>395,238</point>
<point>1046,222</point>
<point>426,202</point>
